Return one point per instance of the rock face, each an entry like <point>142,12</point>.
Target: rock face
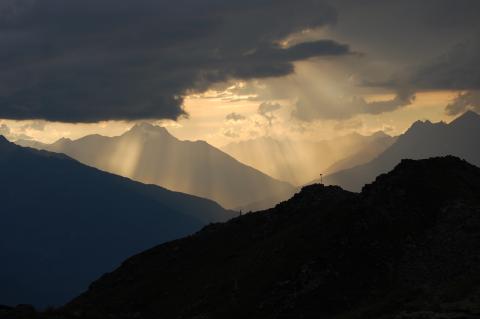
<point>405,247</point>
<point>63,224</point>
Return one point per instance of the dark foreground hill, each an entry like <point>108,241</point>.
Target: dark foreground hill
<point>406,247</point>
<point>63,224</point>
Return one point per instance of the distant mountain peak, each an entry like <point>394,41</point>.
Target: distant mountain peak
<point>380,134</point>
<point>3,139</point>
<point>64,140</point>
<point>467,118</point>
<point>422,123</point>
<point>418,127</point>
<point>147,128</point>
<point>4,143</point>
<point>147,215</point>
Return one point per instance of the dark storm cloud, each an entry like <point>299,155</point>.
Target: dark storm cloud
<point>458,69</point>
<point>422,45</point>
<point>311,108</point>
<point>91,60</point>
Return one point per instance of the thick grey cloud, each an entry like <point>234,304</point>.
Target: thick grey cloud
<point>406,32</point>
<point>426,45</point>
<point>457,69</point>
<point>90,60</point>
<point>408,46</point>
<point>311,108</point>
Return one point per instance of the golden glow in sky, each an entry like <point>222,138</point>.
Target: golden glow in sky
<point>207,121</point>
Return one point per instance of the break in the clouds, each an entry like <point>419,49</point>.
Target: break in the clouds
<point>91,60</point>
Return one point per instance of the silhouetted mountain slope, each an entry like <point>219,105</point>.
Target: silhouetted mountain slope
<point>62,224</point>
<point>422,140</point>
<point>368,152</point>
<point>149,154</point>
<point>406,247</point>
<point>299,162</point>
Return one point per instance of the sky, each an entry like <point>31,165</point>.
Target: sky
<point>225,70</point>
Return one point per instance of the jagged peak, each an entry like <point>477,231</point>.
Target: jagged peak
<point>467,118</point>
<point>421,123</point>
<point>424,124</point>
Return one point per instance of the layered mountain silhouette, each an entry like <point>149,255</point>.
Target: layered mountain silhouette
<point>62,223</point>
<point>374,145</point>
<point>422,140</point>
<point>149,154</point>
<point>300,162</point>
<point>405,247</point>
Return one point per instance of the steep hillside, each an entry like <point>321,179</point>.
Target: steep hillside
<point>62,224</point>
<point>406,247</point>
<point>366,153</point>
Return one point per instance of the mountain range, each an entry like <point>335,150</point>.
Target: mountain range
<point>63,224</point>
<point>149,154</point>
<point>299,162</point>
<point>406,247</point>
<point>422,140</point>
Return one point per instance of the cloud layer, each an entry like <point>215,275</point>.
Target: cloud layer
<point>408,47</point>
<point>91,60</point>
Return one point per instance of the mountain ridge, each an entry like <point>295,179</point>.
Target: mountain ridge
<point>400,249</point>
<point>423,139</point>
<point>75,222</point>
<point>403,248</point>
<point>298,162</point>
<point>150,154</point>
